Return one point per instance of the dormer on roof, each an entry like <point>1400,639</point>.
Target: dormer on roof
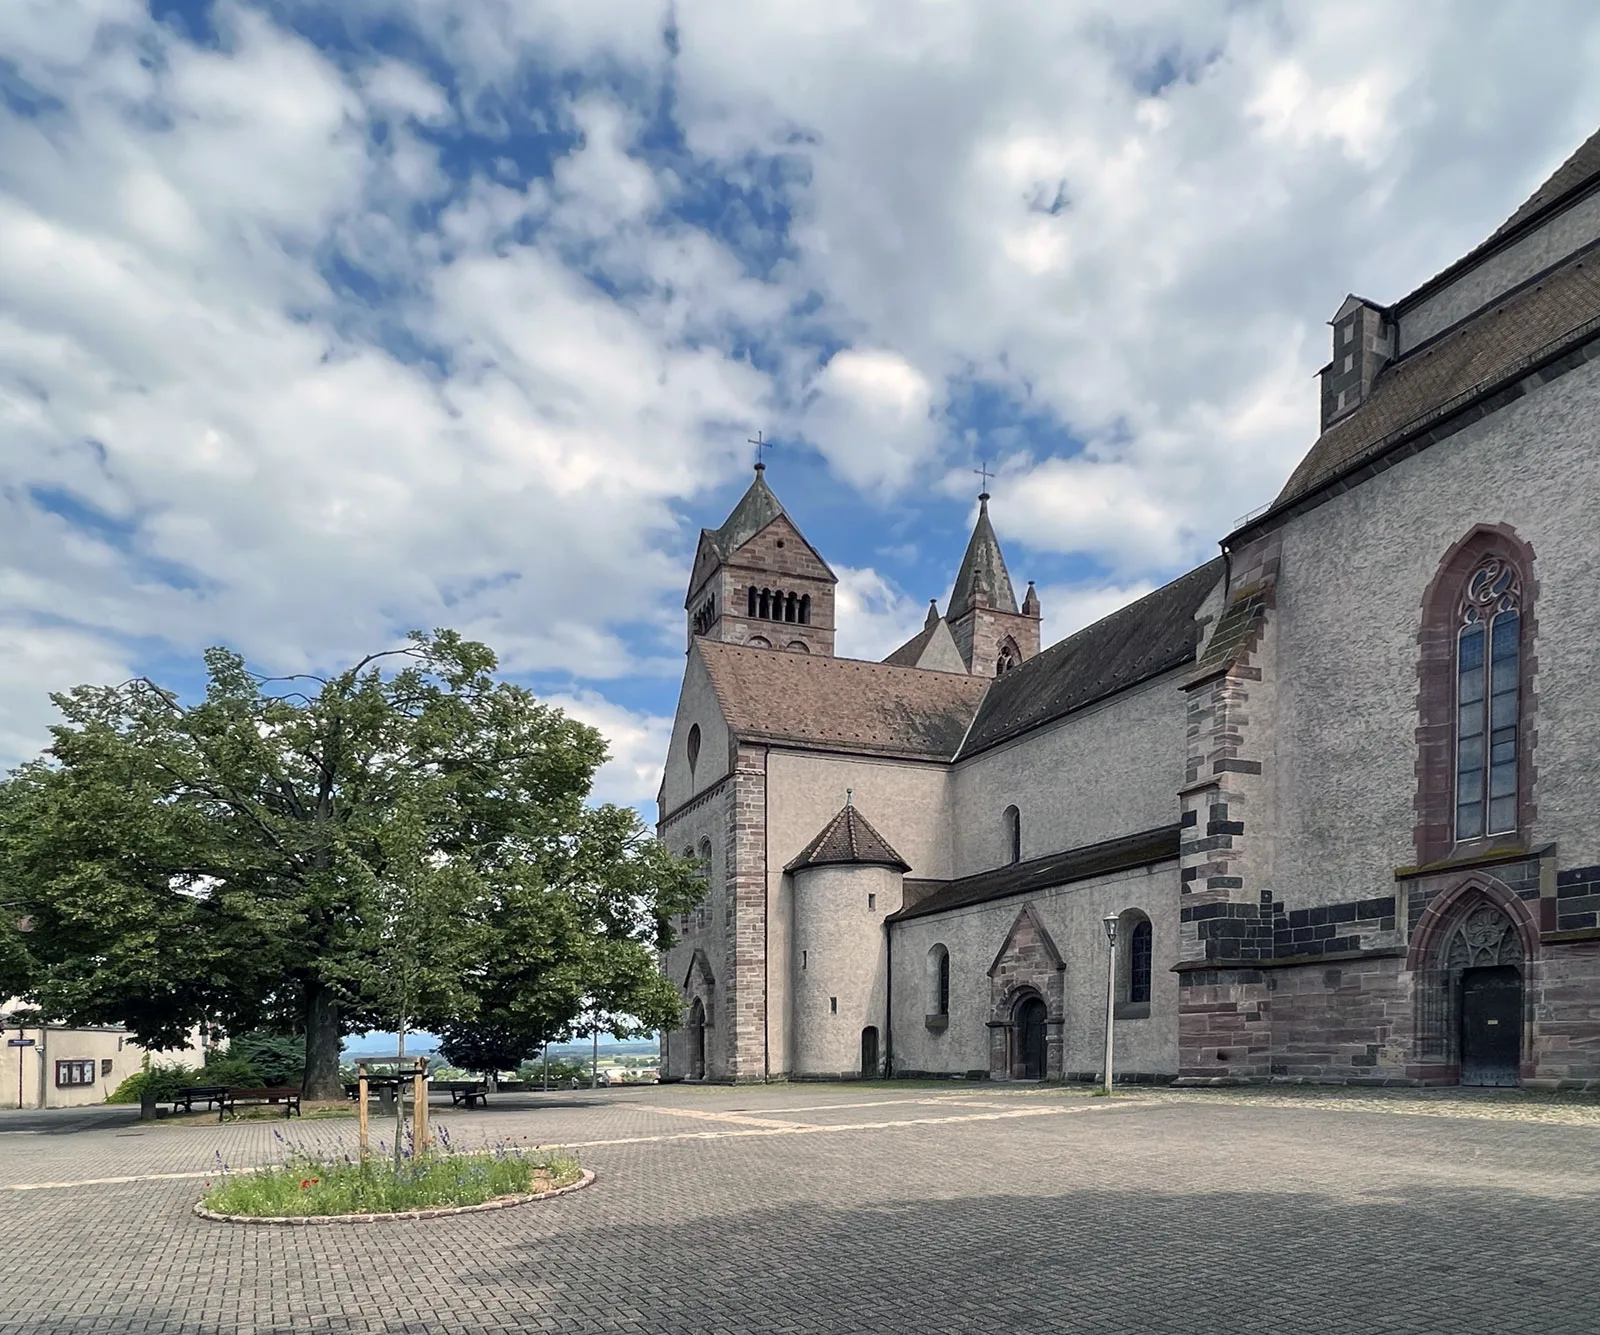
<point>758,582</point>
<point>1363,343</point>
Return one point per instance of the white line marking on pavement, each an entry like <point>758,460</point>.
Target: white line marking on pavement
<point>764,1129</point>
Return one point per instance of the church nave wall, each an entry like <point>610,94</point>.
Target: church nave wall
<point>1349,600</point>
<point>1146,1044</point>
<point>1110,769</point>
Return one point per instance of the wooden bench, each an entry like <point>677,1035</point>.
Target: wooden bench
<point>203,1094</point>
<point>467,1092</point>
<point>255,1098</point>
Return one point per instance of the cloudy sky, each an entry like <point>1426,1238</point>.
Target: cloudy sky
<point>321,322</point>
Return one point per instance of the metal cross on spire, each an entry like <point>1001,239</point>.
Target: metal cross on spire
<point>985,474</point>
<point>761,445</point>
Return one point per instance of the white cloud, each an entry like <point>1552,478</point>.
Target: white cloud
<point>874,617</point>
<point>872,417</point>
<point>637,743</point>
<point>1132,221</point>
<point>36,655</point>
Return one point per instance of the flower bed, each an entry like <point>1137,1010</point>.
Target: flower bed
<point>307,1188</point>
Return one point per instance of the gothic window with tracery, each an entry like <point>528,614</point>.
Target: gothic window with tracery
<point>1485,937</point>
<point>1010,657</point>
<point>1488,700</point>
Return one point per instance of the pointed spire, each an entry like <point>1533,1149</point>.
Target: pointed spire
<point>983,579</point>
<point>932,619</point>
<point>1030,601</point>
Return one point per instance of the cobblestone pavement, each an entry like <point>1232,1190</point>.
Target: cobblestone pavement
<point>802,1209</point>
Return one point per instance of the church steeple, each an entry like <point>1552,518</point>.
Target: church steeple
<point>992,635</point>
<point>983,579</point>
<point>757,581</point>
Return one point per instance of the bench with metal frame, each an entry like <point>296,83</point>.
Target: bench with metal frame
<point>186,1098</point>
<point>468,1092</point>
<point>258,1098</point>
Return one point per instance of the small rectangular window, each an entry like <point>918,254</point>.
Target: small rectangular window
<point>1349,331</point>
<point>74,1073</point>
<point>833,1005</point>
<point>105,1066</point>
<point>802,959</point>
<point>1349,362</point>
<point>872,901</point>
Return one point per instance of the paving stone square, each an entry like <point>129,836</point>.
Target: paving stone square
<point>865,1208</point>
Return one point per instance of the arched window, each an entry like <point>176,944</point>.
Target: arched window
<point>1140,940</point>
<point>1013,832</point>
<point>759,642</point>
<point>798,647</point>
<point>938,981</point>
<point>791,606</point>
<point>692,747</point>
<point>1010,657</point>
<point>751,602</point>
<point>766,605</point>
<point>1488,654</point>
<point>1475,708</point>
<point>703,912</point>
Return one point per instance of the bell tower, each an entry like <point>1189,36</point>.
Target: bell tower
<point>991,633</point>
<point>757,581</point>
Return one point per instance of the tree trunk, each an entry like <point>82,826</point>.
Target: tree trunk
<point>322,1044</point>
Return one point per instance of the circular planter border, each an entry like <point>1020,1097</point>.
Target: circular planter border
<point>500,1203</point>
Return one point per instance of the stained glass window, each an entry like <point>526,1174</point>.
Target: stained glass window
<point>1488,701</point>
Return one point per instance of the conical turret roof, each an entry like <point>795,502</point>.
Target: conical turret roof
<point>845,839</point>
<point>757,508</point>
<point>983,569</point>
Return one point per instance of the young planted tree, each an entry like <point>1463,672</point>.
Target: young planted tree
<point>321,854</point>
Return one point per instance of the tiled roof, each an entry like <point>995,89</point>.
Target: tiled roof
<point>848,838</point>
<point>1077,864</point>
<point>1138,642</point>
<point>1500,342</point>
<point>841,703</point>
<point>1238,629</point>
<point>983,568</point>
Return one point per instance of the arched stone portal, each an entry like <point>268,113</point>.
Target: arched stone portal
<point>1471,956</point>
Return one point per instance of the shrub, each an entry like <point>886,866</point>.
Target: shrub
<point>165,1079</point>
<point>279,1059</point>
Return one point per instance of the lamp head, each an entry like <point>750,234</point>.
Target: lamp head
<point>1110,921</point>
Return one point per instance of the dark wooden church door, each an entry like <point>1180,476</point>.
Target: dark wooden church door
<point>1491,1026</point>
<point>1029,1064</point>
<point>869,1053</point>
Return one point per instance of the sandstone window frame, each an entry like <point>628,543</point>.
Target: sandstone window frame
<point>1135,964</point>
<point>1437,835</point>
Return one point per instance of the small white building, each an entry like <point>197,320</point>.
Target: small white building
<point>53,1066</point>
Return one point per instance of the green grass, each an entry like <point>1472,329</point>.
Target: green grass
<point>311,1186</point>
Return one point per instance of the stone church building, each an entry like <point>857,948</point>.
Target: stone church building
<point>1339,786</point>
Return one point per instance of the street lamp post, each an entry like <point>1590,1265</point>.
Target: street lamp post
<point>1110,921</point>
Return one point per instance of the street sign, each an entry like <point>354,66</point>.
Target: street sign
<point>19,1042</point>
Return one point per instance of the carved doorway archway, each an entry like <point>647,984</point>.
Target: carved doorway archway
<point>1472,953</point>
<point>1483,955</point>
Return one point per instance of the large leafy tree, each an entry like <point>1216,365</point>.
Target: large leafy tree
<point>409,837</point>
